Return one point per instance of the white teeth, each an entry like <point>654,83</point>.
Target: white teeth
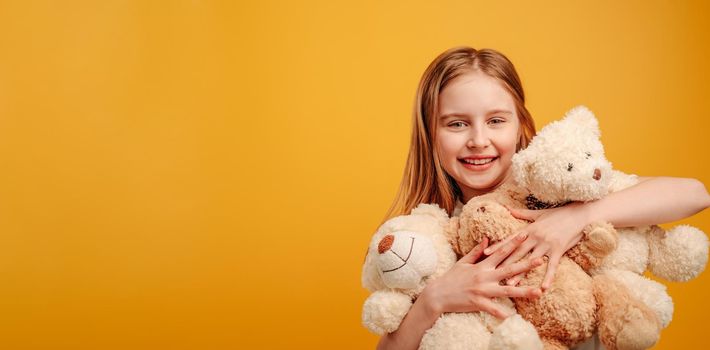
<point>478,161</point>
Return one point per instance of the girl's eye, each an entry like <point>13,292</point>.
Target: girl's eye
<point>497,121</point>
<point>456,123</point>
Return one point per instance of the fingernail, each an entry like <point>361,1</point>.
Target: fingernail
<point>487,251</point>
<point>510,282</point>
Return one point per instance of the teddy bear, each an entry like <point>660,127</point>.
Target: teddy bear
<point>573,307</point>
<point>565,162</point>
<point>405,254</point>
<point>576,303</point>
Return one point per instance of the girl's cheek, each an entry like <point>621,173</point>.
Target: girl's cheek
<point>448,143</point>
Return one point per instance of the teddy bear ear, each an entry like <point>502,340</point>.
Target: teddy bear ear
<point>433,210</point>
<point>451,229</point>
<point>582,117</point>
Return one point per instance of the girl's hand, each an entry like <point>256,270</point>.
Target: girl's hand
<point>470,286</point>
<point>551,233</point>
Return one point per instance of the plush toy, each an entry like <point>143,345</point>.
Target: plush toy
<point>572,308</point>
<point>565,152</point>
<point>405,254</point>
<point>565,162</point>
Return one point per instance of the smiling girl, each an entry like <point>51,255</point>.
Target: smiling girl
<point>469,120</point>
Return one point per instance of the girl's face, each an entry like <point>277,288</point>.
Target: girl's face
<point>477,132</point>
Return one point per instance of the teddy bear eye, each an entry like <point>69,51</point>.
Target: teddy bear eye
<point>588,154</point>
<point>570,166</point>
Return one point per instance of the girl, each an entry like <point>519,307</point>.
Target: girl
<point>468,121</point>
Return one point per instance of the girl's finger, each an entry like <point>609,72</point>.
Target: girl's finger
<point>502,253</point>
<point>516,268</point>
<point>516,292</point>
<point>493,308</point>
<point>497,245</point>
<point>513,281</point>
<point>551,269</point>
<point>537,253</point>
<point>519,253</point>
<point>526,214</point>
<point>475,253</point>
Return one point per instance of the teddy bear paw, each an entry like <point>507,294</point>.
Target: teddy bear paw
<point>515,333</point>
<point>601,239</point>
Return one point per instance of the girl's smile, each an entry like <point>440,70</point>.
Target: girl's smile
<point>478,163</point>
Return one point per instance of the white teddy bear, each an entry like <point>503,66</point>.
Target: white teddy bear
<point>565,162</point>
<point>405,254</point>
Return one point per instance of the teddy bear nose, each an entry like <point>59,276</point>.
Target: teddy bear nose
<point>385,244</point>
<point>597,174</point>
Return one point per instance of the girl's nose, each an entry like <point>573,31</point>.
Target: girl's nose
<point>478,139</point>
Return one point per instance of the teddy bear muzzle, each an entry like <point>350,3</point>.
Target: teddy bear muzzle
<point>404,258</point>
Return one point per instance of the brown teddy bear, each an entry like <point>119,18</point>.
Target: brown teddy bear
<point>576,303</point>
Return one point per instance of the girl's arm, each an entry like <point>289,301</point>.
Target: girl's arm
<point>468,286</point>
<point>651,201</point>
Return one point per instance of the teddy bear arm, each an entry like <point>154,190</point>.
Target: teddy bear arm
<point>461,330</point>
<point>384,311</point>
<point>599,240</point>
<point>679,254</point>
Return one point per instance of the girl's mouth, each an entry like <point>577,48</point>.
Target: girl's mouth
<point>478,164</point>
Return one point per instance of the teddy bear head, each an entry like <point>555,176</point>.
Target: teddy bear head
<point>408,250</point>
<point>482,217</point>
<point>565,161</point>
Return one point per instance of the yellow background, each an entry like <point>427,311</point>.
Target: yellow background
<point>206,175</point>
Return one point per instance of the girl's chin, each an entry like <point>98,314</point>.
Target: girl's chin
<point>481,185</point>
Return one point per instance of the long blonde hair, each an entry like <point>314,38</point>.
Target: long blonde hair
<point>424,180</point>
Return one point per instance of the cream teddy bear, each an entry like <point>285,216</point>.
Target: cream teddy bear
<point>405,254</point>
<point>566,162</point>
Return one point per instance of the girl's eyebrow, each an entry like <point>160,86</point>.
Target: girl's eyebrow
<point>492,111</point>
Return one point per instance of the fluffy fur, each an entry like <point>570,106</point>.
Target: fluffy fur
<point>565,162</point>
<point>566,314</point>
<point>405,254</point>
<point>679,254</point>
